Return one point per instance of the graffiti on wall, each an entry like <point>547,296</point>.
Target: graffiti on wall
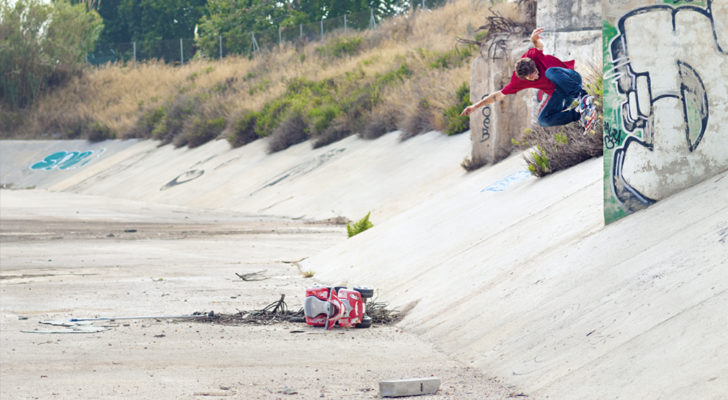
<point>487,112</point>
<point>63,160</point>
<point>666,101</point>
<point>510,180</point>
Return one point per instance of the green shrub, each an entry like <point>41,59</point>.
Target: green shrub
<point>455,122</point>
<point>340,46</point>
<point>98,132</point>
<point>261,86</point>
<point>324,111</point>
<point>382,120</point>
<point>42,45</point>
<point>146,123</point>
<point>322,116</point>
<point>269,117</point>
<point>84,128</point>
<point>359,227</point>
<point>451,59</point>
<point>292,131</point>
<point>243,131</point>
<point>10,121</point>
<point>417,121</point>
<point>199,131</point>
<point>338,130</point>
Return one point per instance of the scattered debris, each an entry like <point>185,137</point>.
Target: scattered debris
<point>272,313</point>
<point>381,315</point>
<point>159,317</point>
<point>288,391</point>
<point>253,276</point>
<point>69,327</point>
<point>278,312</point>
<point>214,394</point>
<point>339,220</point>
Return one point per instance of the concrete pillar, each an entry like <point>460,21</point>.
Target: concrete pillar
<point>492,127</point>
<point>665,102</point>
<point>573,30</point>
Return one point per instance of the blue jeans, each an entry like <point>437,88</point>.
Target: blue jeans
<point>568,88</point>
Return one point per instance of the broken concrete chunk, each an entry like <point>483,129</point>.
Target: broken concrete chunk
<point>409,387</point>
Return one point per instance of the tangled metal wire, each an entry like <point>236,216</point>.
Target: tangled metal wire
<point>274,312</point>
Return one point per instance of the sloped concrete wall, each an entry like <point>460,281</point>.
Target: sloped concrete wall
<point>666,99</point>
<point>299,182</point>
<point>527,284</point>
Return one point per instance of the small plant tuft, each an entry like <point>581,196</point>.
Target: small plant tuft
<point>359,227</point>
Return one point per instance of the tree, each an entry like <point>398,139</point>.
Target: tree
<point>42,45</point>
<point>236,20</point>
<point>147,22</point>
<point>322,9</point>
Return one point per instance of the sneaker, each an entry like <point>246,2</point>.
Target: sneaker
<point>588,118</point>
<point>585,102</point>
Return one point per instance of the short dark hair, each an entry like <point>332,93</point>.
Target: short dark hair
<point>524,67</point>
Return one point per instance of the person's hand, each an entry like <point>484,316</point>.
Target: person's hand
<point>467,111</point>
<point>536,35</point>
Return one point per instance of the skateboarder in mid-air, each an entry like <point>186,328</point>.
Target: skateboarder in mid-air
<point>555,77</point>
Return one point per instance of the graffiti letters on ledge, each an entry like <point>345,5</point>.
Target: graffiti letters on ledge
<point>63,160</point>
<point>487,112</point>
<point>670,65</point>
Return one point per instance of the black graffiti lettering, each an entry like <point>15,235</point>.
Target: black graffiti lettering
<point>485,134</point>
<point>612,136</point>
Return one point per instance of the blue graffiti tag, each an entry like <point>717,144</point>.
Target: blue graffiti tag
<point>509,180</point>
<point>65,160</point>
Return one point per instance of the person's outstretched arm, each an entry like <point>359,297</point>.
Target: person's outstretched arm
<point>490,99</point>
<point>536,38</point>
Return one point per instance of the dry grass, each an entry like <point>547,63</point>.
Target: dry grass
<point>118,97</point>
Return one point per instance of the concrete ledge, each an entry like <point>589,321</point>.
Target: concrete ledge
<point>408,387</point>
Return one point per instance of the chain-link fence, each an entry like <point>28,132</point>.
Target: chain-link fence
<point>180,51</point>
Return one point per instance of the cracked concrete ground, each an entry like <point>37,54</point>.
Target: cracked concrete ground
<point>69,256</point>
